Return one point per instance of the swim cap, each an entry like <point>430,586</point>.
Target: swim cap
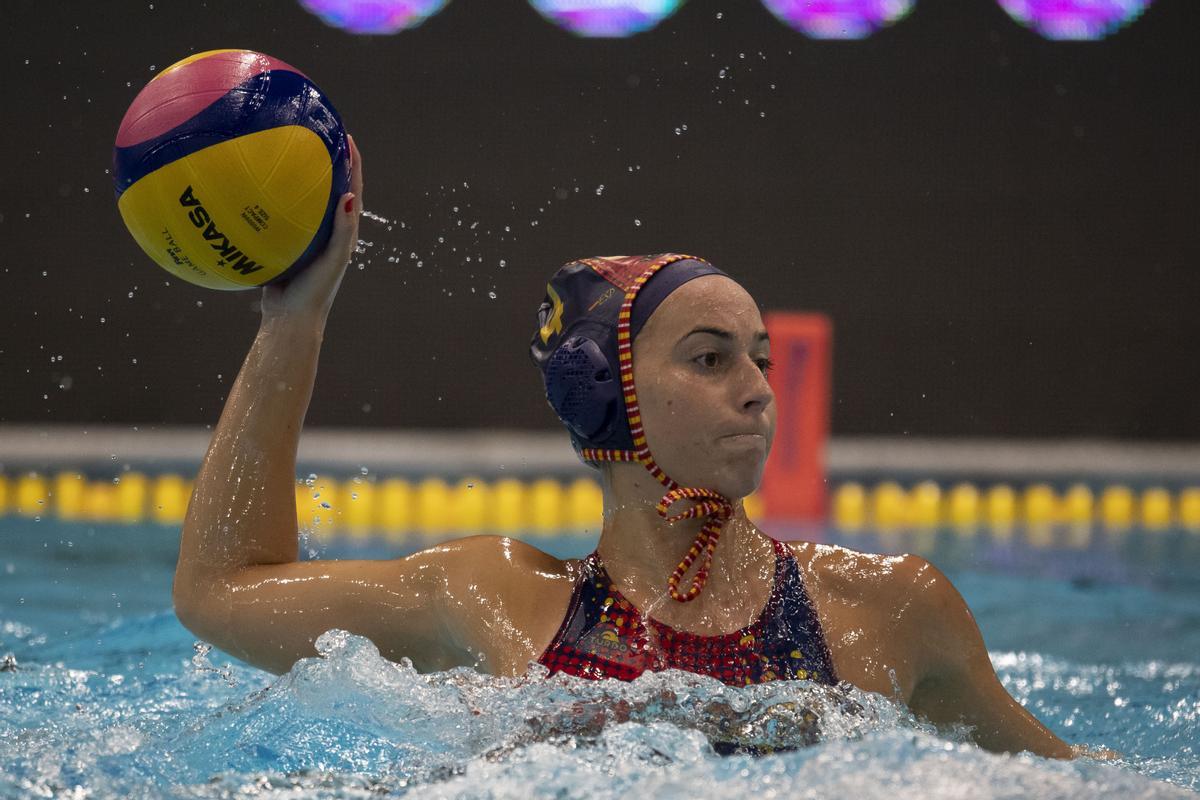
<point>592,311</point>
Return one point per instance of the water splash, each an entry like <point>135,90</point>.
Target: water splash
<point>349,723</point>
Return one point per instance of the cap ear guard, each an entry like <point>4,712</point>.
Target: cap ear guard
<point>582,388</point>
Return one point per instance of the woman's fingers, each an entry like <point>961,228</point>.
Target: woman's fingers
<point>345,225</point>
<point>313,289</point>
<point>345,231</point>
<point>332,263</point>
<point>356,180</point>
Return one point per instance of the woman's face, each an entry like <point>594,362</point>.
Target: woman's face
<point>698,367</point>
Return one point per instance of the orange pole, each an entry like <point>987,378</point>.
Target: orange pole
<point>793,485</point>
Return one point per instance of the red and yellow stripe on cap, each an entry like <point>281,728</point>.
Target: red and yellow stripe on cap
<point>715,506</point>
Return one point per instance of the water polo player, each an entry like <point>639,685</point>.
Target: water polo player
<point>656,365</point>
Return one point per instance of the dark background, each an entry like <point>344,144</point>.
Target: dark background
<point>1003,229</point>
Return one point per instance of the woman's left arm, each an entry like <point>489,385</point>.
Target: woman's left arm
<point>955,682</point>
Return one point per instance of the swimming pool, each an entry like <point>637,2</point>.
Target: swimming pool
<point>104,694</point>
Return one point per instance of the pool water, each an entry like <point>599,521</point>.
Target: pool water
<point>104,694</point>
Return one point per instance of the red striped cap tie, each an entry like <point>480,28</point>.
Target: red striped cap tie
<point>714,505</point>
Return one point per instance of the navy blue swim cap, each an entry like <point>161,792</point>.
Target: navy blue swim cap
<point>584,347</point>
<point>576,345</point>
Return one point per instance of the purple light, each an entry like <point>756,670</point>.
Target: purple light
<point>606,18</point>
<point>839,19</point>
<point>374,16</point>
<point>1075,19</point>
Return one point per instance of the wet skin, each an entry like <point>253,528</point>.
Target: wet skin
<point>894,624</point>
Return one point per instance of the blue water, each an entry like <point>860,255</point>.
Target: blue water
<point>104,694</point>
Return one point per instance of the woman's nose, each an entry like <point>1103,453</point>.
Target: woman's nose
<point>756,387</point>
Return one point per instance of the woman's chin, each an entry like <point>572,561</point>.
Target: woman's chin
<point>733,484</point>
<point>733,477</point>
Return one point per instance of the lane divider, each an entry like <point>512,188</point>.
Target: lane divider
<point>964,506</point>
<point>359,507</point>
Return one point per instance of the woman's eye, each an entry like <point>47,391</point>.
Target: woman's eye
<point>765,364</point>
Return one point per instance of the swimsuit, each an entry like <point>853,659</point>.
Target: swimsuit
<point>604,636</point>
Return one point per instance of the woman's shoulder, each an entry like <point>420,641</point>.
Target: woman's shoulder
<point>501,556</point>
<point>504,596</point>
<point>858,573</point>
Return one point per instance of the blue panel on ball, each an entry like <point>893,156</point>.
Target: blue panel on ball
<point>267,100</point>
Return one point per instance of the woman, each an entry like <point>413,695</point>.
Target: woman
<point>663,395</point>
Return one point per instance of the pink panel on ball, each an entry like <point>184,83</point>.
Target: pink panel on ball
<point>182,92</point>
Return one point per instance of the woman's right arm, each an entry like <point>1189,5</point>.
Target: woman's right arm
<point>238,583</point>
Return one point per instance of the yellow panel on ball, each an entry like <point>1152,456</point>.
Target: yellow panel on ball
<point>236,214</point>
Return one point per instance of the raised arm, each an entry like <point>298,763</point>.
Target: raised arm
<point>238,583</point>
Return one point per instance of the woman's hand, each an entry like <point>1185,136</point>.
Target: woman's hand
<point>309,296</point>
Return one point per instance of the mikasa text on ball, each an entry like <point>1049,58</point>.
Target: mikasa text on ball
<point>228,167</point>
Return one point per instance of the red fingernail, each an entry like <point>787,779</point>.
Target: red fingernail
<point>350,204</point>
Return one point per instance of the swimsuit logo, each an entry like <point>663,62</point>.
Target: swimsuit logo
<point>604,642</point>
<point>552,325</point>
<point>230,255</point>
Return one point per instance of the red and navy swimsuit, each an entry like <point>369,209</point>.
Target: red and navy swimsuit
<point>605,636</point>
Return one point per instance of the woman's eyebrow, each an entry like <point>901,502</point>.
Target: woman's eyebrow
<point>761,336</point>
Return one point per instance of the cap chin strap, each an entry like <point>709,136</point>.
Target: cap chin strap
<point>714,505</point>
<point>718,509</point>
